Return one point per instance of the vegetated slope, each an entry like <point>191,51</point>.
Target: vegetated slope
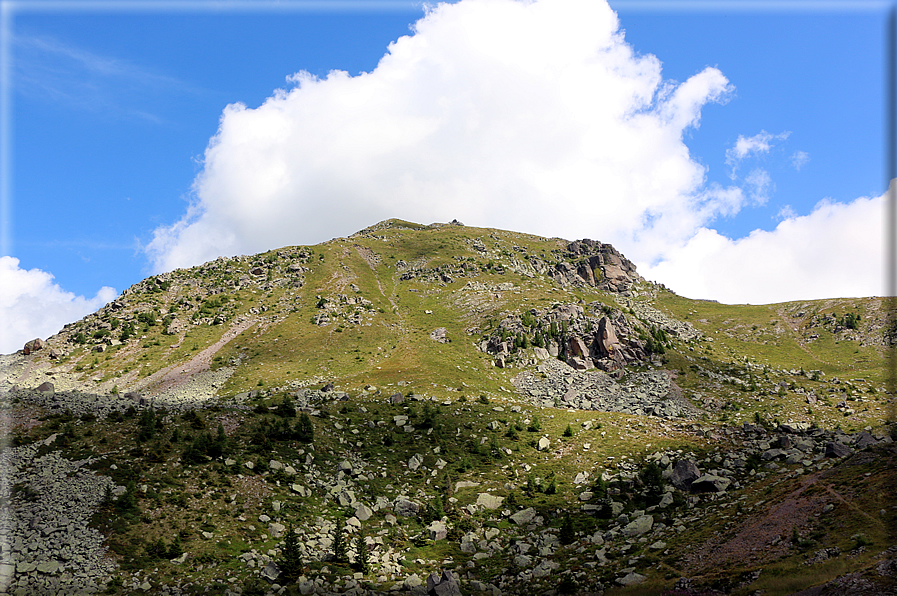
<point>526,412</point>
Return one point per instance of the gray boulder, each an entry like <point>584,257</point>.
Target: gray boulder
<point>437,530</point>
<point>638,526</point>
<point>863,440</point>
<point>835,449</point>
<point>405,508</point>
<point>684,473</point>
<point>271,571</point>
<point>524,516</point>
<point>444,585</point>
<point>710,483</point>
<point>489,501</point>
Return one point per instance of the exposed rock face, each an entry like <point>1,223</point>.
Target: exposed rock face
<point>606,340</point>
<point>591,263</point>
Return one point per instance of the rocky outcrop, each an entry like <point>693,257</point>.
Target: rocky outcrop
<point>591,263</point>
<point>33,346</point>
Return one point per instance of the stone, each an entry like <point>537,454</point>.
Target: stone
<point>465,484</point>
<point>363,512</point>
<point>578,348</point>
<point>46,387</point>
<point>543,444</point>
<point>524,516</point>
<point>541,353</point>
<point>772,454</point>
<point>437,530</point>
<point>863,440</point>
<point>405,508</point>
<point>439,335</point>
<point>835,449</point>
<point>396,398</point>
<point>581,363</point>
<point>276,530</point>
<point>638,526</point>
<point>544,568</point>
<point>346,498</point>
<point>581,478</point>
<point>271,571</point>
<point>489,501</point>
<point>48,567</point>
<point>684,473</point>
<point>444,585</point>
<point>412,581</point>
<point>710,483</point>
<point>630,579</point>
<point>306,587</point>
<point>33,346</point>
<point>415,462</point>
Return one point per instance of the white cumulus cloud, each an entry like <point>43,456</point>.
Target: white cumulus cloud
<point>837,250</point>
<point>33,305</point>
<point>534,116</point>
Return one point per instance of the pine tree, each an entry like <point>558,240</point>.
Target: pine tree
<point>290,562</point>
<point>362,559</point>
<point>567,534</point>
<point>305,431</point>
<point>339,545</point>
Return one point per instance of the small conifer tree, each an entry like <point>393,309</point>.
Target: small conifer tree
<point>339,545</point>
<point>362,558</point>
<point>290,562</point>
<point>568,533</point>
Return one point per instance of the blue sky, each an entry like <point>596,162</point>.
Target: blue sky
<point>111,108</point>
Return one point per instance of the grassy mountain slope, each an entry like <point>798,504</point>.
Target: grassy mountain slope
<point>427,363</point>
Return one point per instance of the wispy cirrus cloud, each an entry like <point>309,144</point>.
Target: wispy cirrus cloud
<point>51,70</point>
<point>799,159</point>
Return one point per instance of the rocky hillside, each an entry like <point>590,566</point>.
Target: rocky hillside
<point>448,410</point>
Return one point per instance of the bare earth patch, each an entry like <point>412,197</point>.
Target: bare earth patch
<point>764,537</point>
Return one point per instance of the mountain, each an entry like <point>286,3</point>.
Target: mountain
<point>484,411</point>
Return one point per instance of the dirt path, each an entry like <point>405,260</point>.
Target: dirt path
<point>177,375</point>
